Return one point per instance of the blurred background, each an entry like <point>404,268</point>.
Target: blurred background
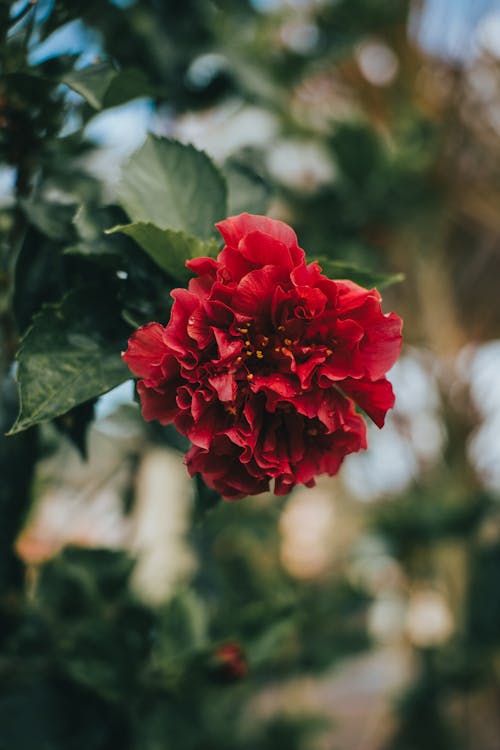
<point>136,610</point>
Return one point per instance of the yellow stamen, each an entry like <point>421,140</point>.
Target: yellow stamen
<point>329,351</point>
<point>277,349</point>
<point>249,352</point>
<point>281,328</point>
<point>248,343</point>
<point>259,354</point>
<point>250,376</point>
<point>288,342</point>
<point>238,359</point>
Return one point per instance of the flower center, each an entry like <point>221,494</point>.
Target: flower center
<point>259,346</point>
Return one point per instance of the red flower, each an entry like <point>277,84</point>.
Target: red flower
<point>263,361</point>
<point>229,662</point>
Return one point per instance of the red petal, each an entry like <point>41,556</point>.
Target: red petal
<point>206,268</point>
<point>232,265</point>
<point>146,351</point>
<point>283,386</point>
<point>202,266</point>
<point>160,405</point>
<point>235,228</point>
<point>381,345</point>
<point>255,291</point>
<point>225,386</point>
<point>374,398</point>
<point>263,250</point>
<point>352,296</point>
<point>185,303</point>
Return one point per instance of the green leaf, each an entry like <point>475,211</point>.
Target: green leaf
<point>52,219</point>
<point>90,223</point>
<point>70,354</point>
<point>101,85</point>
<point>92,82</point>
<point>167,247</point>
<point>174,187</point>
<point>247,191</point>
<point>128,84</point>
<point>339,269</point>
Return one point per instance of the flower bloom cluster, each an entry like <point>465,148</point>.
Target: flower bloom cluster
<point>263,362</point>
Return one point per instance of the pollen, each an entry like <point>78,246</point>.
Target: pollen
<point>250,376</point>
<point>288,342</point>
<point>249,352</point>
<point>238,359</point>
<point>277,349</point>
<point>243,330</point>
<point>329,351</point>
<point>281,328</point>
<point>265,340</point>
<point>259,354</point>
<point>248,343</point>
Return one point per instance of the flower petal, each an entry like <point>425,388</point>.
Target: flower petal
<point>374,398</point>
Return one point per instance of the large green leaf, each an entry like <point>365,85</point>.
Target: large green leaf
<point>70,354</point>
<point>173,186</point>
<point>167,247</point>
<point>101,85</point>
<point>339,269</point>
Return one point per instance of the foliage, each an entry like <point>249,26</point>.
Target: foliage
<point>411,190</point>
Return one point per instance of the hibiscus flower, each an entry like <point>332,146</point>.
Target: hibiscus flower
<point>264,361</point>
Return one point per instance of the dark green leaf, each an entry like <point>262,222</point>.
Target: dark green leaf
<point>70,354</point>
<point>92,82</point>
<point>39,276</point>
<point>101,85</point>
<point>90,223</point>
<point>128,84</point>
<point>338,269</point>
<point>167,247</point>
<point>174,187</point>
<point>52,219</point>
